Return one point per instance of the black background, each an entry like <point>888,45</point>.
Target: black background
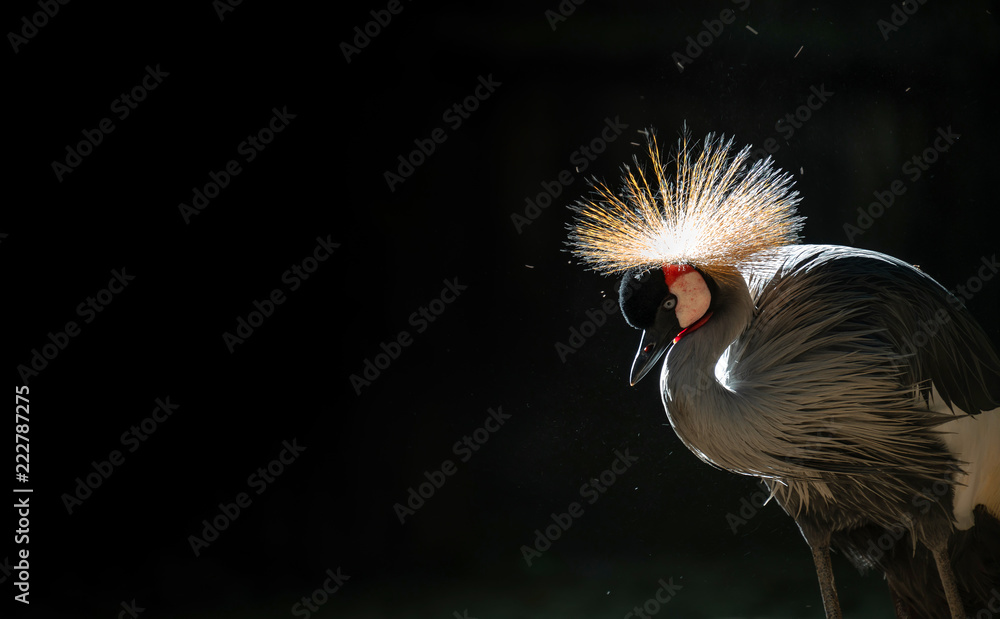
<point>494,346</point>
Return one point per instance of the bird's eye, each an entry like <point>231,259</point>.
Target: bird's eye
<point>670,302</point>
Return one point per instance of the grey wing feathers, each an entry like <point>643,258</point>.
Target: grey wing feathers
<point>846,298</point>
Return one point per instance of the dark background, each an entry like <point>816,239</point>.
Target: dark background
<point>494,346</point>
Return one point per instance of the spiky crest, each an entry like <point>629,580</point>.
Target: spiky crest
<point>719,212</point>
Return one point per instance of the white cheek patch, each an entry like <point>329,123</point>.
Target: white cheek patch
<point>693,297</point>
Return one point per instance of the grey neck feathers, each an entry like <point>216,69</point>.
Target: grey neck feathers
<point>715,422</point>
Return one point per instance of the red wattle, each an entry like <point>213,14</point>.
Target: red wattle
<point>701,321</point>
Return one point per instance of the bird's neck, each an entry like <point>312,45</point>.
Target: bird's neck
<point>708,416</point>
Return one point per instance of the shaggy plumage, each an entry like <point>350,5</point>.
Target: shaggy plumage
<point>826,394</point>
<point>856,386</point>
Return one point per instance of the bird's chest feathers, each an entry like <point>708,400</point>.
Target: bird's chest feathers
<point>709,418</point>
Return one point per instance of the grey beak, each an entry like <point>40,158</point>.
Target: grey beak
<point>652,347</point>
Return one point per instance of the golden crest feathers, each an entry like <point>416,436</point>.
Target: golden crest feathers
<point>718,213</point>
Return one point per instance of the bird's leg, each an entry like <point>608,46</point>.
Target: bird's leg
<point>824,571</point>
<point>818,539</point>
<point>938,546</point>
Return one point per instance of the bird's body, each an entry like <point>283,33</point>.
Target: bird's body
<point>843,407</point>
<point>857,387</point>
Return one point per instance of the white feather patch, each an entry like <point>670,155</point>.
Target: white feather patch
<point>973,441</point>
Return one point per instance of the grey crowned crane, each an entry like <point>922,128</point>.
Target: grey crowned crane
<point>859,389</point>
